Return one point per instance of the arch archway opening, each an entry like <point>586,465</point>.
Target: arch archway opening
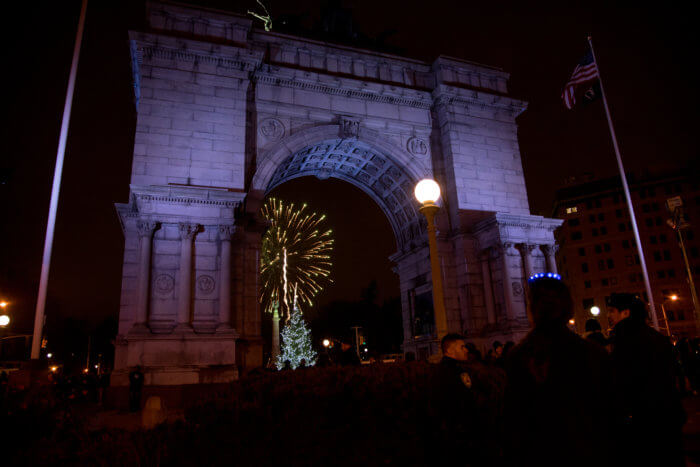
<point>365,290</point>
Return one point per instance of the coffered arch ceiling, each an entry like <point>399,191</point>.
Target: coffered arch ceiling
<point>377,174</point>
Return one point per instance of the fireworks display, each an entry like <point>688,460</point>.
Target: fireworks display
<point>295,259</point>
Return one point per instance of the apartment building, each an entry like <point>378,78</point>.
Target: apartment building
<point>598,256</point>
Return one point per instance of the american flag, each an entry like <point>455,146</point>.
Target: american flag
<point>585,72</point>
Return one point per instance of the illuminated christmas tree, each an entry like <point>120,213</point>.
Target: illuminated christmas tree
<point>296,342</point>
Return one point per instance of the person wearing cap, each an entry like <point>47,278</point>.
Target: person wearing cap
<point>558,396</point>
<point>647,403</point>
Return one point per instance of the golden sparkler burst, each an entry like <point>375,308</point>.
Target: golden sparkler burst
<point>295,256</point>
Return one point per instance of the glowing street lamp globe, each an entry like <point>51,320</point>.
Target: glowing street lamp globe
<point>4,320</point>
<point>427,191</point>
<point>326,342</point>
<point>673,297</point>
<point>595,311</point>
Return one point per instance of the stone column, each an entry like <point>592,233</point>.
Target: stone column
<point>187,233</point>
<point>507,281</point>
<point>145,231</point>
<point>225,233</point>
<point>488,287</point>
<point>526,253</point>
<point>550,251</point>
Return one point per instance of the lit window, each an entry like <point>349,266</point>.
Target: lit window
<point>571,210</point>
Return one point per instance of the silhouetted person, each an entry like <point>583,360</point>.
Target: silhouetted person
<point>686,362</point>
<point>302,363</point>
<point>497,350</point>
<point>324,360</point>
<point>474,354</point>
<point>348,356</point>
<point>287,365</point>
<point>557,401</point>
<point>594,333</point>
<point>454,400</point>
<point>103,384</point>
<point>650,414</point>
<point>689,363</point>
<point>135,388</point>
<point>506,350</point>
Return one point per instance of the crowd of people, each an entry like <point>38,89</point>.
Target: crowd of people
<point>570,400</point>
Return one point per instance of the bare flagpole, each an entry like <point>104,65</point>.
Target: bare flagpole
<point>625,188</point>
<point>53,207</point>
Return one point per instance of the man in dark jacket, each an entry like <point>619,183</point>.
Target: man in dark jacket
<point>557,400</point>
<point>647,402</point>
<point>453,400</point>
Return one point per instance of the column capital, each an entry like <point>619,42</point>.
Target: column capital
<point>549,248</point>
<point>525,248</point>
<point>187,231</point>
<point>145,227</point>
<point>226,231</point>
<point>503,247</point>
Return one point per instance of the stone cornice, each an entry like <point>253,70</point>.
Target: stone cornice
<point>449,95</point>
<point>176,48</point>
<point>187,195</point>
<point>515,220</point>
<point>384,97</point>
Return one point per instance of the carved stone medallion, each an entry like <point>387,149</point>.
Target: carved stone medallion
<point>163,283</point>
<point>272,129</point>
<point>205,284</point>
<point>417,146</point>
<point>517,289</point>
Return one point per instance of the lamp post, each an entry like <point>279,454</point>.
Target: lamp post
<point>427,192</point>
<point>678,224</point>
<point>673,298</point>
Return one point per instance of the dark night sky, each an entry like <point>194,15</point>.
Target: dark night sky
<point>647,55</point>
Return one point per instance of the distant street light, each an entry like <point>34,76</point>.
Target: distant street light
<point>3,304</point>
<point>326,343</point>
<point>673,298</point>
<point>49,355</point>
<point>595,311</point>
<point>572,321</point>
<point>427,193</point>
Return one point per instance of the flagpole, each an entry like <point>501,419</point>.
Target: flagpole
<point>53,207</point>
<point>625,188</point>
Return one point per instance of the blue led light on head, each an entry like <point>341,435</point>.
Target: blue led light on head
<point>540,275</point>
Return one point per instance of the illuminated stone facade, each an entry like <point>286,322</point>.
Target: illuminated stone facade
<point>226,112</point>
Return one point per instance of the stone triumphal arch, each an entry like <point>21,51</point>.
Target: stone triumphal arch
<point>227,112</point>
